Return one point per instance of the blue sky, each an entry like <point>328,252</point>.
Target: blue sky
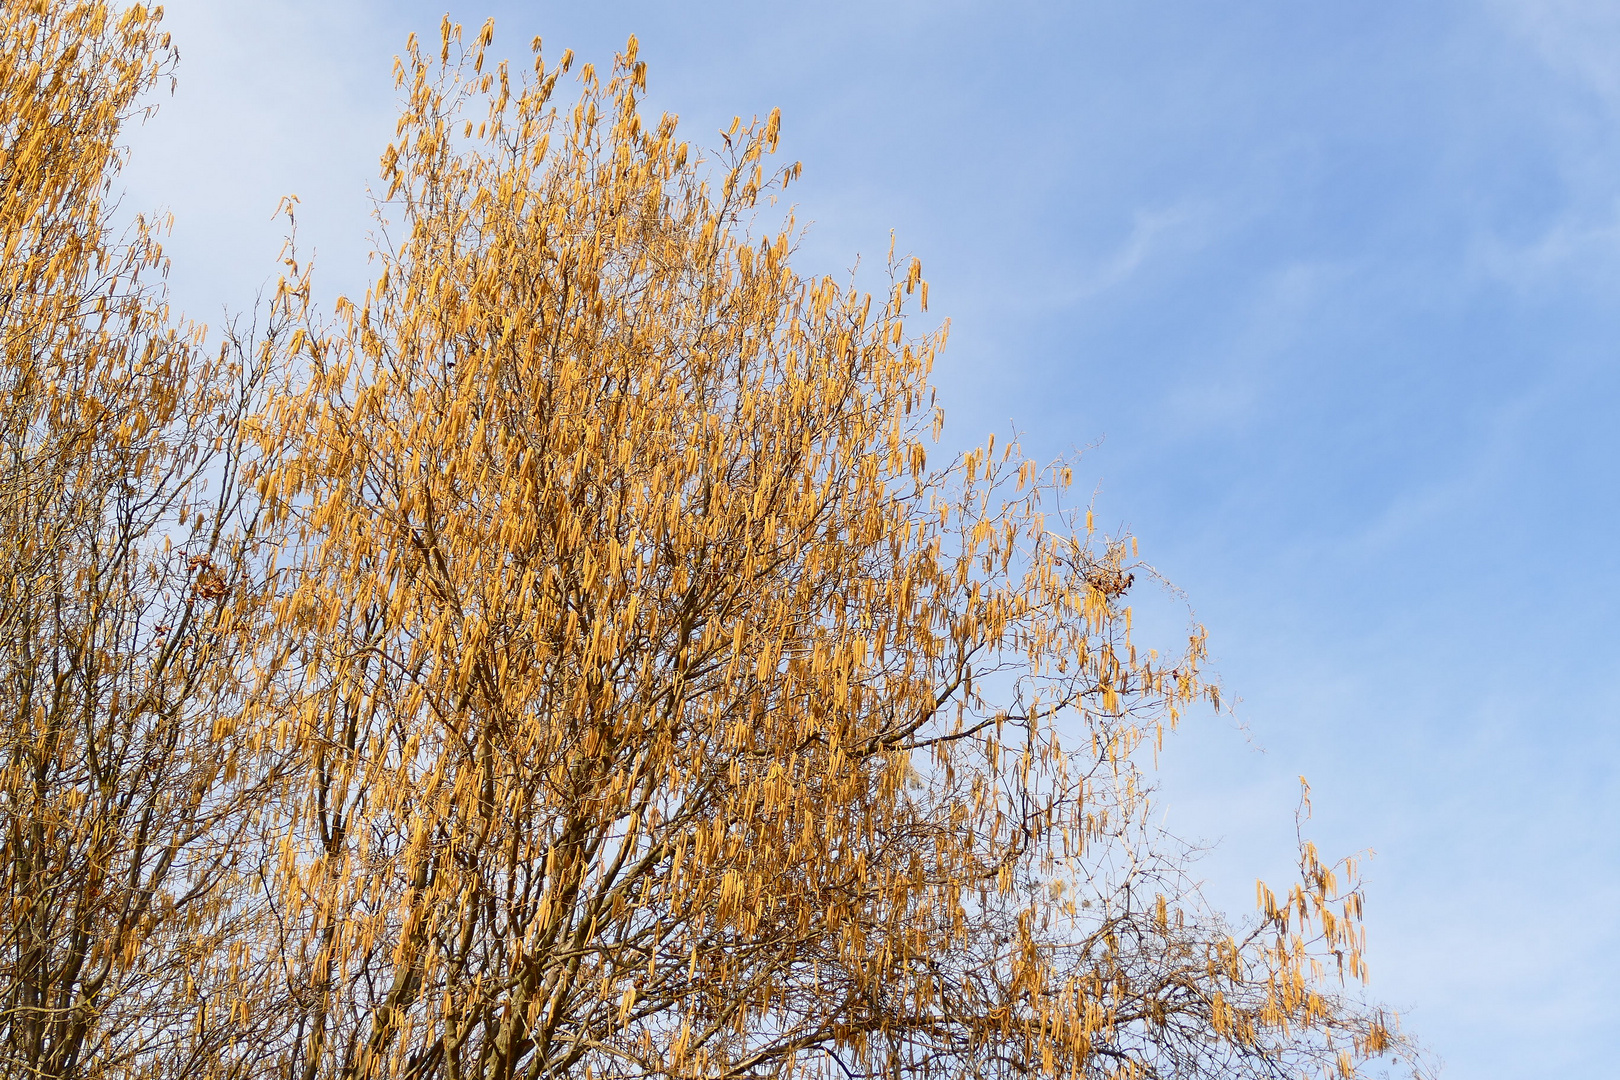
<point>1335,286</point>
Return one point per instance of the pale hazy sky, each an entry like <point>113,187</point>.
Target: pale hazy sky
<point>1338,286</point>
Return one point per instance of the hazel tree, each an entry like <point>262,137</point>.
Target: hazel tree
<point>132,589</point>
<point>569,658</point>
<point>666,712</point>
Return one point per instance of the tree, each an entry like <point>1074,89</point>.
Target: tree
<point>627,694</point>
<point>127,602</point>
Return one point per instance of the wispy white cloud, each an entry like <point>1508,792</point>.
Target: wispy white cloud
<point>1578,39</point>
<point>1227,388</point>
<point>1158,240</point>
<point>1581,245</point>
<point>1157,235</point>
<point>1575,105</point>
